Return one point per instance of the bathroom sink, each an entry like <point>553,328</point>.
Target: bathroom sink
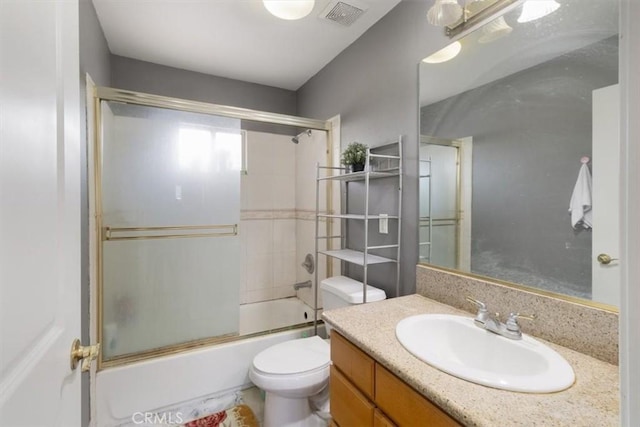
<point>455,345</point>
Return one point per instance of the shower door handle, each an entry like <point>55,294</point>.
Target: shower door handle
<point>84,353</point>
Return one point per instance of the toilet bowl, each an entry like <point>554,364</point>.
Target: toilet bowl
<point>295,376</point>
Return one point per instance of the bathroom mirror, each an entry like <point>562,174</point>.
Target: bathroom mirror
<point>506,127</point>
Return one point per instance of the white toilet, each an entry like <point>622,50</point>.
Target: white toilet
<point>295,374</point>
<point>341,291</point>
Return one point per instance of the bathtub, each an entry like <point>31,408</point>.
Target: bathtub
<point>275,314</point>
<point>149,385</point>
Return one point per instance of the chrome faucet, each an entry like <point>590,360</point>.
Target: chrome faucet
<point>510,329</point>
<point>300,285</point>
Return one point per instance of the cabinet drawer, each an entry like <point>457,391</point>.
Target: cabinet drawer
<point>380,420</point>
<point>354,364</point>
<point>404,405</point>
<point>349,407</point>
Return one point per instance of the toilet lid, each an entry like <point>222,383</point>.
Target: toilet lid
<point>294,357</point>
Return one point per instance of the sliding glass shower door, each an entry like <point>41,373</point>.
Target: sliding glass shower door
<point>439,203</point>
<point>168,208</point>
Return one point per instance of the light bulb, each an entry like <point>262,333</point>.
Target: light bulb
<point>444,12</point>
<point>445,54</point>
<point>476,6</point>
<point>536,9</point>
<point>289,9</point>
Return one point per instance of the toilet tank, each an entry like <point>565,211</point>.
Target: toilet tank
<point>341,291</point>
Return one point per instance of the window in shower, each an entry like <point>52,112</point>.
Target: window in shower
<point>168,185</point>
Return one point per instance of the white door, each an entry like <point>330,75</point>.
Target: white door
<point>39,212</point>
<point>606,194</point>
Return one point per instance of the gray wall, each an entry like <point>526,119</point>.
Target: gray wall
<point>131,74</point>
<point>529,131</point>
<point>140,76</point>
<point>95,60</point>
<point>373,85</point>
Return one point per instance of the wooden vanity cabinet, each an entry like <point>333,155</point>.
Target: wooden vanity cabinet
<point>363,393</point>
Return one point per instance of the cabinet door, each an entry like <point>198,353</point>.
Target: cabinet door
<point>404,405</point>
<point>353,362</point>
<point>380,420</point>
<point>349,407</point>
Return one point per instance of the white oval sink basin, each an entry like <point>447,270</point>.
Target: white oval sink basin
<point>455,345</point>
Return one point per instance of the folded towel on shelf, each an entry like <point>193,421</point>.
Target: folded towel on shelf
<point>580,205</point>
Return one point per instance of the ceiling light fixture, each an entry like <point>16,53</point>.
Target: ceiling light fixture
<point>444,12</point>
<point>445,54</point>
<point>532,10</point>
<point>289,9</point>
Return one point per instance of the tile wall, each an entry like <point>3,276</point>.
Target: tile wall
<point>277,222</point>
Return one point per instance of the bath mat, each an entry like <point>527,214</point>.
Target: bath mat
<point>238,416</point>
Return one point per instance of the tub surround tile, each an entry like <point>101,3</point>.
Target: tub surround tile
<point>260,272</point>
<point>258,295</point>
<point>588,330</point>
<point>283,191</point>
<point>286,291</point>
<point>284,236</point>
<point>259,237</point>
<point>277,217</point>
<point>592,401</point>
<point>284,269</point>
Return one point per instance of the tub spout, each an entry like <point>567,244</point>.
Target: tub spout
<point>300,285</point>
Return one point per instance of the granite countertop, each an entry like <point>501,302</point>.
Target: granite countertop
<point>592,401</point>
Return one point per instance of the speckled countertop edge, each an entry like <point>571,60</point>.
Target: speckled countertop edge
<point>592,401</point>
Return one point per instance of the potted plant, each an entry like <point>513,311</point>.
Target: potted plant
<point>355,155</point>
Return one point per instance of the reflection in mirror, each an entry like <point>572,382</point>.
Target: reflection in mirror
<point>504,126</point>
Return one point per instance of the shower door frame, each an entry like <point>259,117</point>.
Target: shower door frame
<point>100,94</point>
<point>461,220</point>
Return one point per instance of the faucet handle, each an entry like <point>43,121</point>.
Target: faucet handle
<point>482,315</point>
<point>480,304</point>
<point>512,321</point>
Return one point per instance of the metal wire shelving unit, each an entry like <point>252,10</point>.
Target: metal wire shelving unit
<point>377,166</point>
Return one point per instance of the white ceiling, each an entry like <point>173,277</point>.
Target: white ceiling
<point>237,39</point>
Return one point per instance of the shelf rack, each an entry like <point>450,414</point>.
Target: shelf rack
<point>363,258</point>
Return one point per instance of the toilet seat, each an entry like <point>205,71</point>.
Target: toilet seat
<point>294,375</point>
<point>295,357</point>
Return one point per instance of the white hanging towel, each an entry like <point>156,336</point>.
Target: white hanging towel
<point>580,205</point>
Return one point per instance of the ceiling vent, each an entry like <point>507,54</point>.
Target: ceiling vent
<point>343,13</point>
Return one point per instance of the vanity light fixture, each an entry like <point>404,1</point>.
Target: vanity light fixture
<point>444,12</point>
<point>476,13</point>
<point>536,9</point>
<point>289,9</point>
<point>445,54</point>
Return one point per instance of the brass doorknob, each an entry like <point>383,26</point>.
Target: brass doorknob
<point>84,353</point>
<point>605,259</point>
